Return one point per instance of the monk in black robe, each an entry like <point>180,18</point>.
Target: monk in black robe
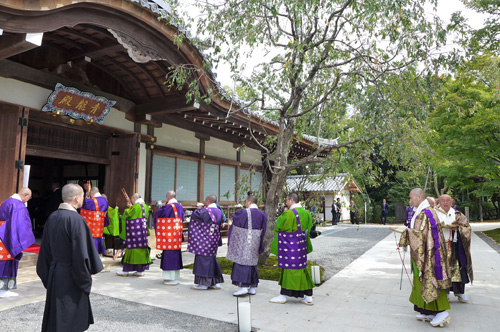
<point>67,260</point>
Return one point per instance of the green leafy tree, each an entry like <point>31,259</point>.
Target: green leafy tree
<point>466,136</point>
<point>485,38</point>
<point>326,68</point>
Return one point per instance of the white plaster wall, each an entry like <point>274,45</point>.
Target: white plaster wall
<point>116,119</point>
<point>32,96</point>
<point>251,156</point>
<point>344,200</point>
<point>177,138</point>
<point>219,148</point>
<point>328,206</point>
<point>25,94</point>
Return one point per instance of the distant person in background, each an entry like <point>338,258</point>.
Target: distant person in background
<point>432,202</point>
<point>339,209</point>
<point>354,213</point>
<point>385,212</point>
<point>409,211</point>
<point>35,209</point>
<point>334,214</point>
<point>454,205</point>
<point>55,198</point>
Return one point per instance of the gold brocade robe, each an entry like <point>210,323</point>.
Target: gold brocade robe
<point>422,251</point>
<point>462,225</point>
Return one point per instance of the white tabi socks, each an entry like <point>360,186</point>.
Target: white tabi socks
<point>6,293</point>
<point>241,291</point>
<point>278,299</point>
<point>441,318</point>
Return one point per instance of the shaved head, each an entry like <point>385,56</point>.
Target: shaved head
<point>417,196</point>
<point>73,195</point>
<point>25,194</point>
<point>445,202</point>
<point>69,191</point>
<point>134,198</point>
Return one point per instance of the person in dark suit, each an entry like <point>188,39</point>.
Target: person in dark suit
<point>385,212</point>
<point>55,198</point>
<point>354,213</point>
<point>334,213</point>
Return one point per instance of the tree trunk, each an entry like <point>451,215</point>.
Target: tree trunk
<point>278,180</point>
<point>481,209</point>
<point>272,201</point>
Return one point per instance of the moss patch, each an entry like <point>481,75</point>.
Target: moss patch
<point>268,271</point>
<point>493,234</point>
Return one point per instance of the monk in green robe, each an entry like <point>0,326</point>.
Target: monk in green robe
<point>295,279</point>
<point>137,254</point>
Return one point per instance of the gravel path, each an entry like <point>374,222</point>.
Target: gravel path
<point>114,315</point>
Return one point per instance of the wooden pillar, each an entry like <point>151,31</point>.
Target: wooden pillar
<point>149,166</point>
<point>237,180</point>
<point>201,166</point>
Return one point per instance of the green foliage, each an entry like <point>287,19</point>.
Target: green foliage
<point>334,69</point>
<point>268,271</point>
<point>493,234</point>
<point>476,41</point>
<point>465,126</point>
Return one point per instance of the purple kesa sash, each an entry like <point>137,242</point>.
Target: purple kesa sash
<point>204,237</point>
<point>137,232</point>
<point>438,268</point>
<point>292,248</point>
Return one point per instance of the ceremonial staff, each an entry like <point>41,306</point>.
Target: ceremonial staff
<point>126,197</point>
<point>402,258</point>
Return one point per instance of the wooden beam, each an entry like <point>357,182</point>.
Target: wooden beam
<point>164,107</point>
<point>11,45</point>
<point>198,156</point>
<point>67,122</point>
<point>96,53</point>
<point>11,69</point>
<point>38,151</point>
<point>202,137</point>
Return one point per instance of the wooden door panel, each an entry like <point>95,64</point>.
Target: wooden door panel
<point>123,169</point>
<point>12,148</point>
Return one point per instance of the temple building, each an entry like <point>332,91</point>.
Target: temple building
<point>82,96</point>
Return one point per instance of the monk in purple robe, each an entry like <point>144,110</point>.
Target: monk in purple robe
<point>95,212</point>
<point>16,235</point>
<point>204,235</point>
<point>245,243</point>
<point>171,258</point>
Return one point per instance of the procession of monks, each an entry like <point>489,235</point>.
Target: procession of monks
<point>438,234</point>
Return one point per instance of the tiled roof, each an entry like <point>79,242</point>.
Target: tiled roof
<point>317,183</point>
